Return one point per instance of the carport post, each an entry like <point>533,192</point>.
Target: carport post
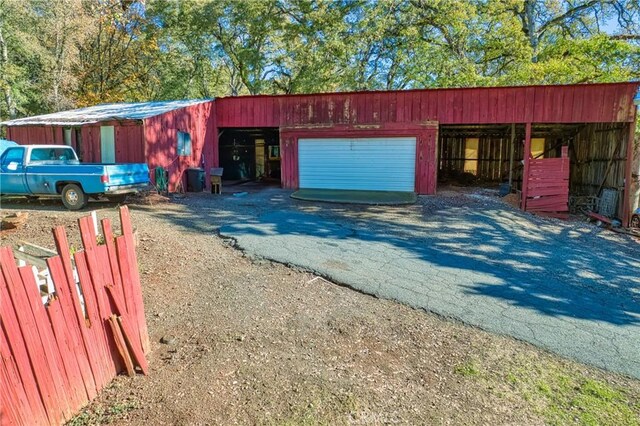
<point>527,158</point>
<point>628,175</point>
<point>511,153</point>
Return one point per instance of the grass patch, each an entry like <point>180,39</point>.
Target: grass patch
<point>467,369</point>
<point>592,402</point>
<point>102,415</point>
<point>565,398</point>
<point>317,405</point>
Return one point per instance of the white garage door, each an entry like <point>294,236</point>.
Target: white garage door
<point>377,164</point>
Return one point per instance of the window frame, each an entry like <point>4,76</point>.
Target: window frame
<point>184,145</point>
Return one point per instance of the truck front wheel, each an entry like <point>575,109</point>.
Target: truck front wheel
<point>73,197</point>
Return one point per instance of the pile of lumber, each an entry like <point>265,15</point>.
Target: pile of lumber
<point>548,186</point>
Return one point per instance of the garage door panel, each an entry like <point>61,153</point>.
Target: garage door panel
<point>383,164</point>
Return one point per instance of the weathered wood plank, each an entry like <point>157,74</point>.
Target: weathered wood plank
<point>14,348</point>
<point>127,231</point>
<point>68,297</point>
<point>28,328</point>
<point>128,331</point>
<point>122,345</point>
<point>52,357</point>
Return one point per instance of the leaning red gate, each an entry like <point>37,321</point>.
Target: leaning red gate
<point>55,357</point>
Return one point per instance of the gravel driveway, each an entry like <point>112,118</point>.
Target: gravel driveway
<point>567,287</point>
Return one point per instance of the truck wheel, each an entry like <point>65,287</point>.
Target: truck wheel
<point>73,197</point>
<point>635,221</point>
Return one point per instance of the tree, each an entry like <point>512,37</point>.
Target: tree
<point>116,58</point>
<point>63,26</point>
<point>17,50</point>
<point>56,54</point>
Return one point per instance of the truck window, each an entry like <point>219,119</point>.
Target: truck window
<point>52,154</point>
<point>13,155</point>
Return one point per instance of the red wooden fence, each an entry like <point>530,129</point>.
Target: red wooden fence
<point>56,357</point>
<point>548,186</point>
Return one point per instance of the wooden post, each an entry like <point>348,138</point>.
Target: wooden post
<point>527,159</point>
<point>628,176</point>
<point>511,153</point>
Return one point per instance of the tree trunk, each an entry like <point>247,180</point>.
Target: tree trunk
<point>4,61</point>
<point>530,27</point>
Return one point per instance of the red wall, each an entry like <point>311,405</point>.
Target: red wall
<point>129,142</point>
<point>160,134</point>
<point>402,113</point>
<point>26,135</point>
<point>588,103</point>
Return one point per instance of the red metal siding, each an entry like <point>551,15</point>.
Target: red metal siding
<point>588,103</point>
<point>160,134</point>
<point>367,113</point>
<point>128,134</point>
<point>426,144</point>
<point>129,143</point>
<point>30,135</point>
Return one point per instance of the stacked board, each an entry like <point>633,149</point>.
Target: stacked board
<point>548,186</point>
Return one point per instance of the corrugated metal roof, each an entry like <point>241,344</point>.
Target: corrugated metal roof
<point>104,112</point>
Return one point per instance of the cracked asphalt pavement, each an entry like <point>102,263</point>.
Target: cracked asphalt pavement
<point>570,288</point>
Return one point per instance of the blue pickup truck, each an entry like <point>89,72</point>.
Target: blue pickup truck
<point>54,171</point>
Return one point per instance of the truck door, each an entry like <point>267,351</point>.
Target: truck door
<point>12,176</point>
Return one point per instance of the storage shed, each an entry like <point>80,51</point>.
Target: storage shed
<point>407,140</point>
<point>169,134</point>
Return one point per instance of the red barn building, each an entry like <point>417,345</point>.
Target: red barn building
<point>128,133</point>
<point>403,140</point>
<point>337,140</point>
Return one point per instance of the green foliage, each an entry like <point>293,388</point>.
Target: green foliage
<point>563,397</point>
<point>66,53</point>
<point>100,415</point>
<point>467,369</point>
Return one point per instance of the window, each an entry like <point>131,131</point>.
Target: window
<point>537,147</point>
<point>12,155</point>
<point>52,154</point>
<point>471,155</point>
<point>184,144</point>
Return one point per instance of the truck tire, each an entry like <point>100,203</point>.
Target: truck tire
<point>73,197</point>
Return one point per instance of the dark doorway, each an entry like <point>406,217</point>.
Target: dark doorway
<point>79,146</point>
<point>250,154</point>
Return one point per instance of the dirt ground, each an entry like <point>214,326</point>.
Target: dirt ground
<point>260,343</point>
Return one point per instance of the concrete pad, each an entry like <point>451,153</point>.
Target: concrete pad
<point>355,197</point>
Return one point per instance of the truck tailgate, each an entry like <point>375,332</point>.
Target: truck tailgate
<point>127,174</point>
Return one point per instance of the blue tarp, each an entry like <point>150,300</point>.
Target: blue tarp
<point>4,144</point>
